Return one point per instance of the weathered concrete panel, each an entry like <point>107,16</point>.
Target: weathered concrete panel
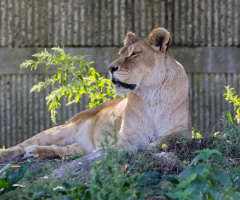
<point>195,60</point>
<point>11,58</point>
<point>44,23</point>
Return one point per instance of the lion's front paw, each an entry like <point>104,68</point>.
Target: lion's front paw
<point>8,154</point>
<point>39,152</point>
<point>32,151</point>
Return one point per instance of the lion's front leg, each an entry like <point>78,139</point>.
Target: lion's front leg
<point>42,152</point>
<point>10,154</point>
<point>52,136</point>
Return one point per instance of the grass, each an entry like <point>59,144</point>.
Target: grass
<point>119,174</point>
<point>38,183</point>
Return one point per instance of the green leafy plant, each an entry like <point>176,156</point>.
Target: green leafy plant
<point>205,179</point>
<point>75,77</point>
<point>231,98</point>
<point>227,141</point>
<point>9,176</point>
<point>231,123</point>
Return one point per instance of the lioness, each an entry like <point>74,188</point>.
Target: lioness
<point>156,104</point>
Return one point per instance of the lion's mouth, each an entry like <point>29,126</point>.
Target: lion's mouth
<point>118,83</point>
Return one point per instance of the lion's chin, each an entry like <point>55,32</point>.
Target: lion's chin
<point>119,84</point>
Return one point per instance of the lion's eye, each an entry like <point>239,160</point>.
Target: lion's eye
<point>134,54</point>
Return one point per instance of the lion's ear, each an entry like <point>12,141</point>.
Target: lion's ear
<point>129,37</point>
<point>159,38</point>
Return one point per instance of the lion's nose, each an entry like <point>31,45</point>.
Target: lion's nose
<point>113,68</point>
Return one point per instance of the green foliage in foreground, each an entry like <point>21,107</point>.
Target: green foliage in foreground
<point>206,179</point>
<point>118,175</point>
<point>9,176</point>
<point>203,179</point>
<point>75,77</point>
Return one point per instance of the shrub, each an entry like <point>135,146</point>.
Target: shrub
<point>204,179</point>
<point>231,98</point>
<point>75,76</point>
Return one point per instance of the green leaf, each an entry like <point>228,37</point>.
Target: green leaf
<point>50,106</point>
<point>35,87</point>
<point>186,182</point>
<point>197,158</point>
<point>205,154</point>
<point>182,195</point>
<point>39,89</point>
<point>80,76</point>
<point>56,104</point>
<point>14,175</point>
<point>96,165</point>
<point>149,179</point>
<point>186,173</point>
<point>220,159</point>
<point>173,180</point>
<point>200,186</point>
<point>229,117</point>
<point>222,177</point>
<point>96,77</point>
<point>200,169</point>
<point>4,184</point>
<point>59,73</point>
<point>86,69</point>
<point>77,98</point>
<point>6,167</point>
<point>85,88</point>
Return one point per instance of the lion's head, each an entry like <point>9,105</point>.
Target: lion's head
<point>140,63</point>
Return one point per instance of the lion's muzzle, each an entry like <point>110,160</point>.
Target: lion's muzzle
<point>120,84</point>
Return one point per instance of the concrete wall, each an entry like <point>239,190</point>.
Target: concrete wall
<point>41,23</point>
<point>205,38</point>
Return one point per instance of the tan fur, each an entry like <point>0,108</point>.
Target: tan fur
<point>160,34</point>
<point>129,37</point>
<point>156,104</point>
